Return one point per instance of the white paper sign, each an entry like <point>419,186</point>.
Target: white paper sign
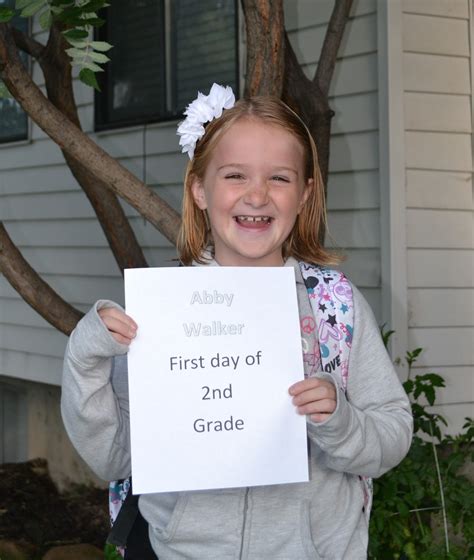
<point>216,351</point>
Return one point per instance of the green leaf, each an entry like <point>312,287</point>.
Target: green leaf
<point>96,22</point>
<point>46,19</point>
<point>435,379</point>
<point>6,14</point>
<point>430,395</point>
<point>79,44</point>
<point>99,57</point>
<point>386,334</point>
<point>32,8</point>
<point>76,53</point>
<point>76,34</point>
<point>101,46</point>
<point>94,5</point>
<point>87,76</point>
<point>408,386</point>
<point>93,67</point>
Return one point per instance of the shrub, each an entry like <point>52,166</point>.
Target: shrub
<point>424,508</point>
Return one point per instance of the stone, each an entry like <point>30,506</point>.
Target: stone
<point>74,552</point>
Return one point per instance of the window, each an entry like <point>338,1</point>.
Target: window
<point>13,120</point>
<point>164,52</point>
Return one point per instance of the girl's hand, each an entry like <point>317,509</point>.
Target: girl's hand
<point>122,327</point>
<point>314,396</point>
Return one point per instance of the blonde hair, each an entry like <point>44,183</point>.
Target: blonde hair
<point>303,242</point>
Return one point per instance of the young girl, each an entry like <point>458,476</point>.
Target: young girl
<point>253,197</point>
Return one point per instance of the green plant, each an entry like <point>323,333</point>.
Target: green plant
<point>424,508</point>
<point>110,553</point>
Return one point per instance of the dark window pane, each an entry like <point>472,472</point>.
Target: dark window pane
<point>13,120</point>
<point>205,39</point>
<point>164,52</point>
<point>133,84</point>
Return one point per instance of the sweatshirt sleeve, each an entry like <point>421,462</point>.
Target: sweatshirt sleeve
<point>370,431</point>
<point>95,418</point>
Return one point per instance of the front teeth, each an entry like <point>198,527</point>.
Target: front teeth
<point>254,218</point>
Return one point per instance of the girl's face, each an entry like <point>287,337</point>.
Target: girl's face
<point>253,190</point>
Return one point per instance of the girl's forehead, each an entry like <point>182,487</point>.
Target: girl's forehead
<point>253,136</point>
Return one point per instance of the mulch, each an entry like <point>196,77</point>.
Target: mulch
<point>33,511</point>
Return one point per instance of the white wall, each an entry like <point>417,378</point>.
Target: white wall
<point>439,197</point>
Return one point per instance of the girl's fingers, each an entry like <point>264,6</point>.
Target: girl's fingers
<point>326,391</point>
<point>305,384</point>
<point>117,314</point>
<point>326,406</point>
<point>119,324</point>
<point>121,339</point>
<point>119,327</point>
<point>319,417</point>
<point>314,397</point>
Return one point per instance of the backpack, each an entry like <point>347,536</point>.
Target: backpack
<point>331,298</point>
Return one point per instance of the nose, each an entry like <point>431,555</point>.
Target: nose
<point>257,193</point>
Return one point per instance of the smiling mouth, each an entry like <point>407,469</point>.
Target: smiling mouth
<point>253,219</point>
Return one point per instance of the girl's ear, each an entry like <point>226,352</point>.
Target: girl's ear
<point>198,194</point>
<point>306,193</point>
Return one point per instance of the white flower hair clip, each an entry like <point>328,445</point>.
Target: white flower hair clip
<point>201,111</point>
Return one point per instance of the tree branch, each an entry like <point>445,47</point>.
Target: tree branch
<point>28,44</point>
<point>33,289</point>
<point>307,99</point>
<point>115,225</point>
<point>264,21</point>
<point>78,145</point>
<point>332,41</point>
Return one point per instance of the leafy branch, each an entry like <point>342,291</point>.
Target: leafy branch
<point>77,19</point>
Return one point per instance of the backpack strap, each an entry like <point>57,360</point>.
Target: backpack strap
<point>129,532</point>
<point>123,508</point>
<point>331,297</point>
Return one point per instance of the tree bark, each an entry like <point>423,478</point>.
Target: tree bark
<point>115,225</point>
<point>78,145</point>
<point>331,44</point>
<point>28,44</point>
<point>35,291</point>
<point>264,22</point>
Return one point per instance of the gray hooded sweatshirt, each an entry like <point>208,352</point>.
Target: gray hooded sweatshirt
<point>368,433</point>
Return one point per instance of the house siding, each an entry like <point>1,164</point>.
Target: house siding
<point>439,211</point>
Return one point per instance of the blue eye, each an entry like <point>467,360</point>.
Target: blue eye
<point>279,178</point>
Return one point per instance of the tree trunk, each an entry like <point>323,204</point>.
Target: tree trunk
<point>120,236</point>
<point>265,47</point>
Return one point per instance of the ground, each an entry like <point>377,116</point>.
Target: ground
<point>32,510</point>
